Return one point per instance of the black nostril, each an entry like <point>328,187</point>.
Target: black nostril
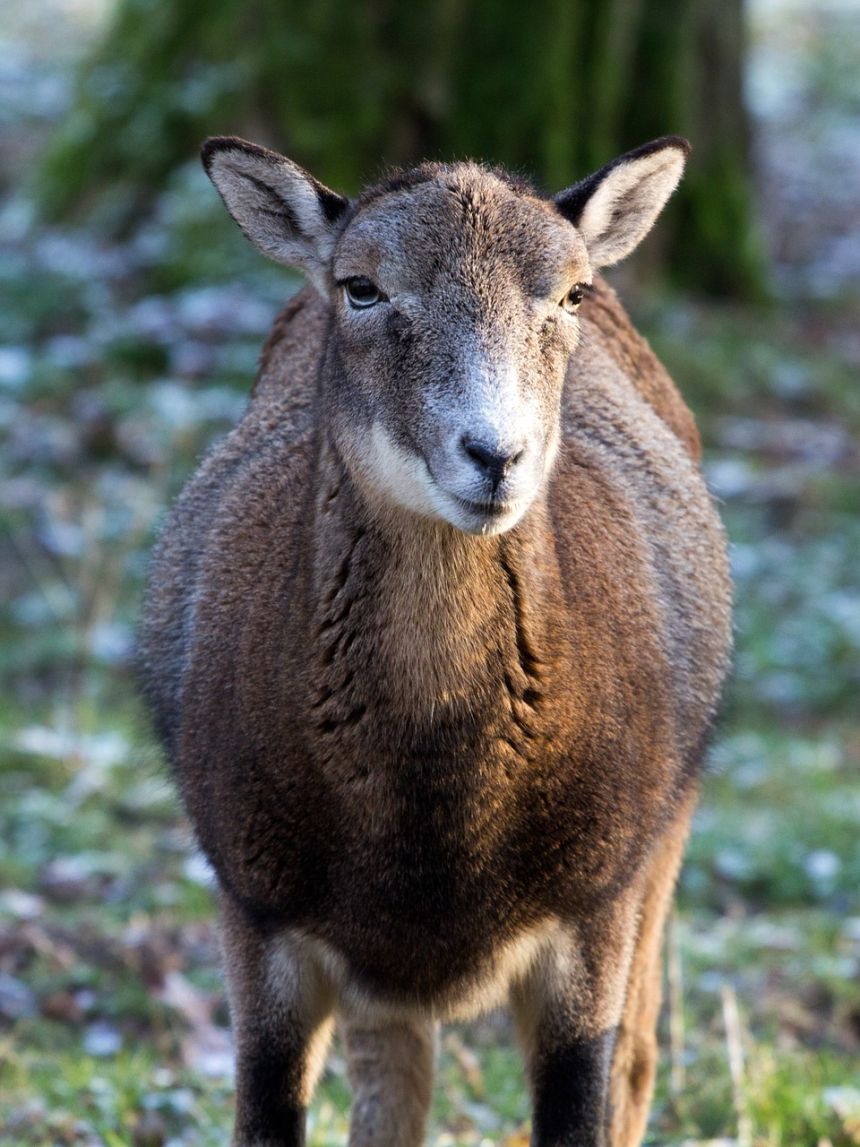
<point>491,461</point>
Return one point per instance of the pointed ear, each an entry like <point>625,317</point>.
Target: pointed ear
<point>284,211</point>
<point>616,207</point>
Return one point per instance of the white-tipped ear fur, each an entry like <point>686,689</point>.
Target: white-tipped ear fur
<point>283,210</point>
<point>616,207</point>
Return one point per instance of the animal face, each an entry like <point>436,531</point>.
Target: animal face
<point>454,317</point>
<point>454,292</point>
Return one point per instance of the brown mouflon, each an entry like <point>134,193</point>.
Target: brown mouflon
<point>434,640</point>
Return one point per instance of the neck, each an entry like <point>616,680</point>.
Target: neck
<point>434,611</point>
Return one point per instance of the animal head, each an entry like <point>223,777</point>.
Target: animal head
<point>454,291</point>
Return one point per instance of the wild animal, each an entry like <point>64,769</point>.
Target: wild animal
<point>434,639</point>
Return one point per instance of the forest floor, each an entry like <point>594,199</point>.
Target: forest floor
<point>120,362</point>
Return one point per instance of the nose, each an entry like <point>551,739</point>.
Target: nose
<point>492,461</point>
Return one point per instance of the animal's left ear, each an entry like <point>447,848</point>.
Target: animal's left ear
<point>616,207</point>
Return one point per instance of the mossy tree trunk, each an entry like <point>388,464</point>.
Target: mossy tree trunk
<point>555,90</point>
<point>687,76</point>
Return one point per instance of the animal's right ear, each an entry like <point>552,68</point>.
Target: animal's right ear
<point>282,209</point>
<point>616,207</point>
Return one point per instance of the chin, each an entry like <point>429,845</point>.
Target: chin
<point>483,519</point>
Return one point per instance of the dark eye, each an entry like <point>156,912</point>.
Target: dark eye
<point>573,298</point>
<point>361,292</point>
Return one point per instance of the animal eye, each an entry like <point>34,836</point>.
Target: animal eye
<point>573,298</point>
<point>361,292</point>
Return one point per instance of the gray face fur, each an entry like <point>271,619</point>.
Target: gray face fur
<point>443,396</point>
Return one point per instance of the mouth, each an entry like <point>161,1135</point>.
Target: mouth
<point>484,509</point>
<point>485,518</point>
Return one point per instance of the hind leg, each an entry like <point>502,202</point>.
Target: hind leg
<point>390,1065</point>
<point>635,1060</point>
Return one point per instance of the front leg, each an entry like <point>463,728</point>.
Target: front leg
<point>281,1009</point>
<point>567,1011</point>
<point>570,1085</point>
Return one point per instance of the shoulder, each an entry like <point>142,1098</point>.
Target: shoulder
<point>290,357</point>
<point>609,335</point>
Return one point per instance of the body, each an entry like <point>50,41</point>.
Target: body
<point>437,769</point>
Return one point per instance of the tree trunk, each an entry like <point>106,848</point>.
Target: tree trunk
<point>340,88</point>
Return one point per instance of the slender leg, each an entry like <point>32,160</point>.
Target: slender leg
<point>390,1064</point>
<point>567,1012</point>
<point>635,1061</point>
<point>281,1008</point>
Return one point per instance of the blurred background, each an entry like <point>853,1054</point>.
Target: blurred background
<point>131,316</point>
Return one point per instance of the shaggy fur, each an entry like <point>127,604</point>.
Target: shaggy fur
<point>438,761</point>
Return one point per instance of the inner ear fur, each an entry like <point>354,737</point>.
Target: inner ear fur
<point>614,208</point>
<point>282,209</point>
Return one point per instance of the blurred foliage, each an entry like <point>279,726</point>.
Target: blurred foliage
<point>556,92</point>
